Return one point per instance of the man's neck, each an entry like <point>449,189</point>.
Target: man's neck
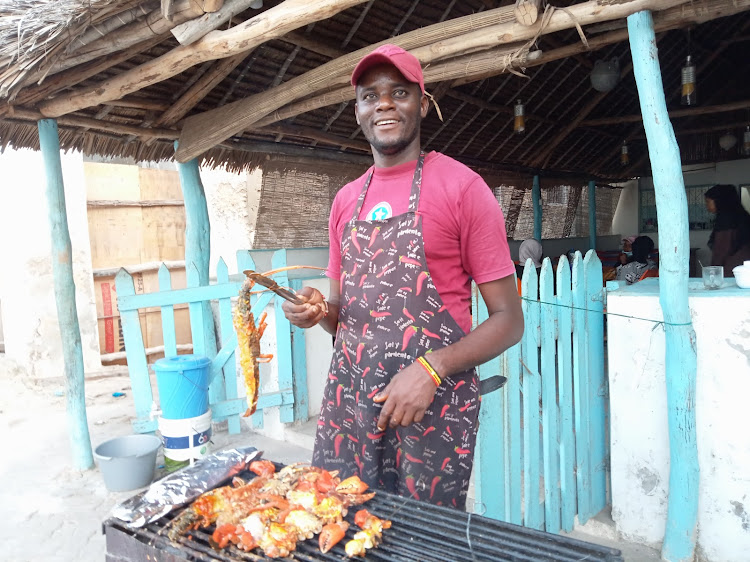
<point>389,160</point>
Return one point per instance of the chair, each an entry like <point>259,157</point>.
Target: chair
<point>650,273</point>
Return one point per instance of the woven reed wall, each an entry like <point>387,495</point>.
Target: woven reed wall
<point>296,200</point>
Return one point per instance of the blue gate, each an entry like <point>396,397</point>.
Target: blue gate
<point>542,454</point>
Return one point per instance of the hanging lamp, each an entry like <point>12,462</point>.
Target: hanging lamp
<point>624,157</point>
<point>689,95</point>
<point>519,118</point>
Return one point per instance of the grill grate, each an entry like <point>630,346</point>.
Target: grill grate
<point>420,532</point>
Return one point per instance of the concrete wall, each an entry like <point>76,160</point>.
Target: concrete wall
<point>31,331</point>
<point>736,172</point>
<point>638,414</point>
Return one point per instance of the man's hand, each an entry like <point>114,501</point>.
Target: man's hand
<point>406,397</point>
<point>308,314</point>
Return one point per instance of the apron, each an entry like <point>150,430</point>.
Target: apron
<point>390,314</point>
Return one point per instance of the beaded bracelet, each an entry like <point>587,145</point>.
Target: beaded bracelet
<point>430,371</point>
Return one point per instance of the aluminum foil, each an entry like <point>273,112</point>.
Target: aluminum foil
<point>184,486</point>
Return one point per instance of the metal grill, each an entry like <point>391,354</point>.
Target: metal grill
<point>420,532</point>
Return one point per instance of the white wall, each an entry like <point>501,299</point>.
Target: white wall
<point>233,200</point>
<point>31,331</point>
<point>638,417</point>
<point>625,222</point>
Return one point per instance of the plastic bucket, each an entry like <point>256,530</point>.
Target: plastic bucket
<point>185,440</point>
<point>128,462</point>
<point>183,386</point>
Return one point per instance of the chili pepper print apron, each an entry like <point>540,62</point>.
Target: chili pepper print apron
<point>390,314</point>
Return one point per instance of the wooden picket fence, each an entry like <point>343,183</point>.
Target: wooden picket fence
<point>543,453</point>
<point>291,396</point>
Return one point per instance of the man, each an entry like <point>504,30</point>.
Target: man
<point>402,400</point>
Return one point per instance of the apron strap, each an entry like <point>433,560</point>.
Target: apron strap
<point>416,184</point>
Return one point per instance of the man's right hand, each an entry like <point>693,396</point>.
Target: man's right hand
<point>308,314</point>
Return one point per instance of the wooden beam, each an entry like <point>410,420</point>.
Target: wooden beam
<point>300,40</point>
<point>271,24</point>
<point>527,11</point>
<point>316,135</point>
<point>23,114</point>
<point>441,72</point>
<point>65,297</point>
<point>192,30</point>
<point>212,5</point>
<point>98,30</point>
<point>300,152</point>
<point>203,131</point>
<point>107,203</point>
<point>125,37</point>
<point>681,361</point>
<point>503,109</point>
<point>167,9</point>
<point>139,103</point>
<point>34,94</point>
<point>674,114</point>
<point>199,90</point>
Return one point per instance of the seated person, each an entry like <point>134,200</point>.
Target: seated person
<point>640,263</point>
<point>627,250</point>
<point>531,248</point>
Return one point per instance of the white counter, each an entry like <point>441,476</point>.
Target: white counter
<point>639,437</point>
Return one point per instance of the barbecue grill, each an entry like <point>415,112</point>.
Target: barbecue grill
<point>420,532</point>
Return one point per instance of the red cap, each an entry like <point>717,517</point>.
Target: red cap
<point>406,63</point>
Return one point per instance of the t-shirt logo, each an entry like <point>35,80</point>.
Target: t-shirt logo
<point>380,212</point>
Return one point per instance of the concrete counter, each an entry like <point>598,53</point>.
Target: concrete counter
<point>638,416</point>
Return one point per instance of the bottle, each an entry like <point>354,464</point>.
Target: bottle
<point>519,121</point>
<point>689,95</point>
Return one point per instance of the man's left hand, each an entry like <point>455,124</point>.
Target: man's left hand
<point>406,397</point>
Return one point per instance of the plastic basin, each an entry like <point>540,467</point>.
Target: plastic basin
<point>128,462</point>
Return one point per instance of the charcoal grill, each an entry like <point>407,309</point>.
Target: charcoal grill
<point>420,532</point>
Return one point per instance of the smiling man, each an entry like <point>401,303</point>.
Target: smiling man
<point>401,404</point>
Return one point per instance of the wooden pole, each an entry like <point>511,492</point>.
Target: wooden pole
<point>536,196</point>
<point>681,360</point>
<point>527,11</point>
<point>592,215</point>
<point>65,297</point>
<point>677,113</point>
<point>197,224</point>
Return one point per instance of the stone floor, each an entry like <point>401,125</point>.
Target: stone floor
<point>54,512</point>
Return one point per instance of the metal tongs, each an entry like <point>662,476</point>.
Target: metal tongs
<point>272,285</point>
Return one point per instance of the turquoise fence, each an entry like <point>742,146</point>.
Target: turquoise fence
<point>543,456</point>
<point>291,396</point>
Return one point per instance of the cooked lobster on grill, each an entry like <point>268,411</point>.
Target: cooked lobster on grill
<point>275,510</point>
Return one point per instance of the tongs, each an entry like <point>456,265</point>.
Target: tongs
<point>272,285</point>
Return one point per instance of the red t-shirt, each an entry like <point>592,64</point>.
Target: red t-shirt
<point>462,224</point>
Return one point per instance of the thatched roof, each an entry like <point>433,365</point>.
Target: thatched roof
<point>54,51</point>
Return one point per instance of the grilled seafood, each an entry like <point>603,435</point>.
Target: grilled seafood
<point>370,536</point>
<point>275,510</point>
<point>331,535</point>
<point>305,523</point>
<point>248,343</point>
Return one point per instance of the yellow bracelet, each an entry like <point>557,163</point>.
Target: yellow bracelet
<point>430,371</point>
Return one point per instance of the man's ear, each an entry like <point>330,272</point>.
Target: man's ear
<point>424,104</point>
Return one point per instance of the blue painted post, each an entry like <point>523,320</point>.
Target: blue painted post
<point>65,297</point>
<point>490,485</point>
<point>513,435</point>
<point>536,195</point>
<point>167,314</point>
<point>681,360</point>
<point>592,215</point>
<point>198,249</point>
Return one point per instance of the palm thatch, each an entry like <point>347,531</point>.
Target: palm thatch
<point>56,58</point>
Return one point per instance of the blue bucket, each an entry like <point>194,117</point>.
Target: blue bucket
<point>183,386</point>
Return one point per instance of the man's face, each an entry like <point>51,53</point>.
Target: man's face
<point>389,109</point>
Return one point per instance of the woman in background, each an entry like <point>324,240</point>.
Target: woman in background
<point>531,248</point>
<point>730,239</point>
<point>640,264</point>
